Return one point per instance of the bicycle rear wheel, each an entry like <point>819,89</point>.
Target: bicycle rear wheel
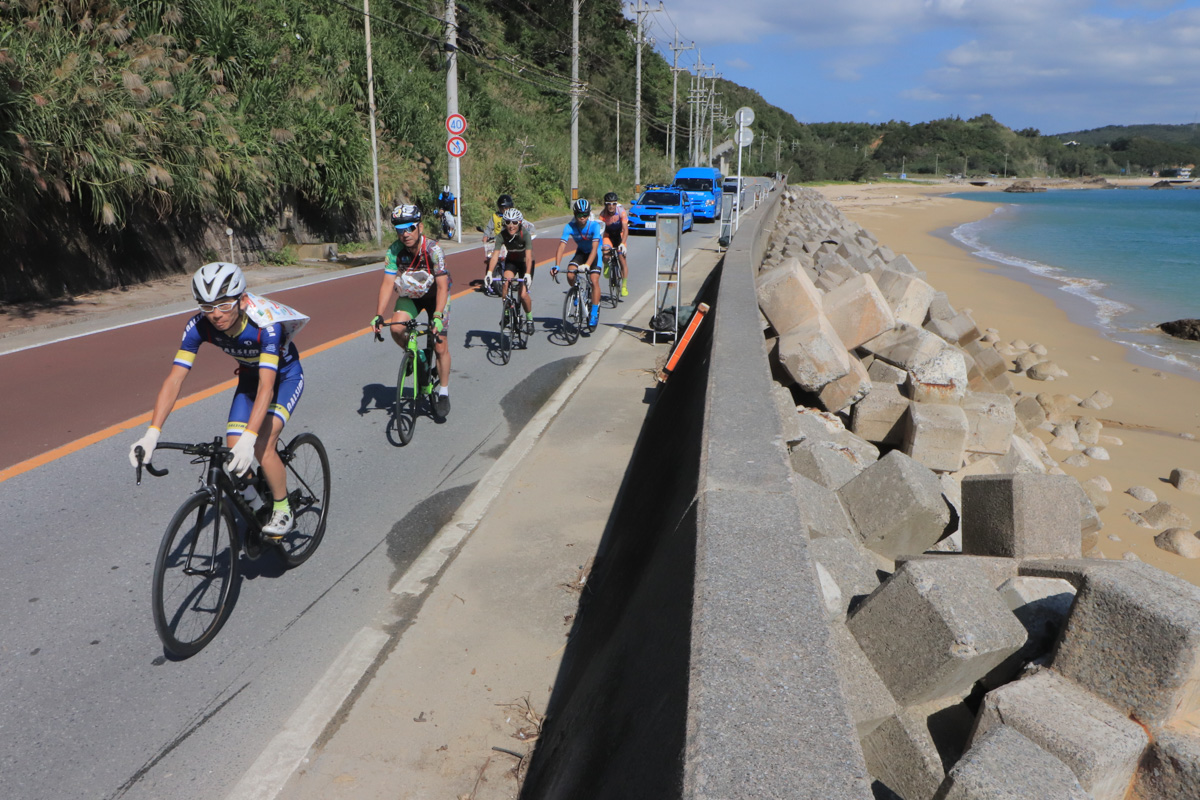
<point>507,332</point>
<point>196,569</point>
<point>308,492</point>
<point>404,412</point>
<point>572,316</point>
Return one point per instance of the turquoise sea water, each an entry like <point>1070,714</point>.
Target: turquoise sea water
<point>1119,260</point>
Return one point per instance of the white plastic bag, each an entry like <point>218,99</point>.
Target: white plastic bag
<point>263,312</point>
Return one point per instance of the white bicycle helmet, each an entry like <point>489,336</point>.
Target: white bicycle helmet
<point>217,280</point>
<point>414,284</point>
<point>513,215</point>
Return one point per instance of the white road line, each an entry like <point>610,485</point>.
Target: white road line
<point>265,778</point>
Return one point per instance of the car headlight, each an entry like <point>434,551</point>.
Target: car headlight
<point>710,202</point>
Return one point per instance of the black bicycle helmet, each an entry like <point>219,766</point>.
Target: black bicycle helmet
<point>406,214</point>
<point>611,197</point>
<point>504,201</point>
<point>581,207</point>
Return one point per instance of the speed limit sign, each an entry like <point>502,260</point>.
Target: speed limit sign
<point>456,124</point>
<point>456,146</point>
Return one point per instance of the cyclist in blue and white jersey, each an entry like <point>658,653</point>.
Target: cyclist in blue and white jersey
<point>270,382</point>
<point>587,234</point>
<point>414,280</point>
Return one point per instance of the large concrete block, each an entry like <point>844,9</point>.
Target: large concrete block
<point>941,379</point>
<point>908,295</point>
<point>934,628</point>
<point>822,512</point>
<point>1021,516</point>
<point>936,435</point>
<point>858,311</point>
<point>1042,606</point>
<point>870,701</point>
<point>813,355</point>
<point>787,297</point>
<point>1101,746</point>
<point>1021,458</point>
<point>897,506</point>
<point>988,362</point>
<point>964,329</point>
<point>1134,639</point>
<point>851,566</point>
<point>901,753</point>
<point>879,417</point>
<point>827,462</point>
<point>1171,769</point>
<point>1005,765</point>
<point>846,390</point>
<point>990,422</point>
<point>883,372</point>
<point>905,346</point>
<point>998,570</point>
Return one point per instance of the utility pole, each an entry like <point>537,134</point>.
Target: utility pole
<point>676,49</point>
<point>778,148</point>
<point>618,136</point>
<point>575,100</point>
<point>452,102</point>
<point>712,107</point>
<point>637,125</point>
<point>371,106</point>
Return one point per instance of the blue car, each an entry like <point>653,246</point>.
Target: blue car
<point>655,200</point>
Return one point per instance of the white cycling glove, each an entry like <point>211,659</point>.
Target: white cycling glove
<point>148,442</point>
<point>621,248</point>
<point>243,453</point>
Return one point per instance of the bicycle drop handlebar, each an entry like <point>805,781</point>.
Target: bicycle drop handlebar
<point>205,449</point>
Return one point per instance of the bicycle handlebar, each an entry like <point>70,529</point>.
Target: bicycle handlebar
<point>207,449</point>
<point>410,323</point>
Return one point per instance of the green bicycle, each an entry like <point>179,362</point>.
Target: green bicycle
<point>416,380</point>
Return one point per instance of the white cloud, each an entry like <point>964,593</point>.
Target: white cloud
<point>738,63</point>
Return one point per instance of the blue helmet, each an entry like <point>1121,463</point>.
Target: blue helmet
<point>581,207</point>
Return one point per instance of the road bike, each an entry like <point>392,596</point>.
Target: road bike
<point>512,321</point>
<point>196,571</point>
<point>612,268</point>
<point>416,380</point>
<point>577,305</point>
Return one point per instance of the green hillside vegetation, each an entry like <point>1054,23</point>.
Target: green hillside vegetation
<point>132,133</point>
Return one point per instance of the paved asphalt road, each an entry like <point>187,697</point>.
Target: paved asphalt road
<point>92,708</point>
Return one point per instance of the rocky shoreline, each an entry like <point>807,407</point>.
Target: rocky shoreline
<point>990,642</point>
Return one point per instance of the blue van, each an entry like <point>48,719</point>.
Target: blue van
<point>703,185</point>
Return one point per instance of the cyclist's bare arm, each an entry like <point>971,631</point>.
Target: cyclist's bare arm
<point>167,395</point>
<point>386,290</point>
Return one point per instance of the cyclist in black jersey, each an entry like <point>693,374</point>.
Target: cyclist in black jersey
<point>518,259</point>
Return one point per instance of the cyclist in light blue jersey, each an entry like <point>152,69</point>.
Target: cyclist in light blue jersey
<point>587,234</point>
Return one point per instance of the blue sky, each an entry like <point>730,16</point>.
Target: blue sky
<point>1055,65</point>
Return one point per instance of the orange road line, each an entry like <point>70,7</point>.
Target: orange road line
<point>28,464</point>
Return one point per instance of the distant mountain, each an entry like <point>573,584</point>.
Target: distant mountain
<point>1171,134</point>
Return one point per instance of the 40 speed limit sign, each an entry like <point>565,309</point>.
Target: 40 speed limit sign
<point>456,146</point>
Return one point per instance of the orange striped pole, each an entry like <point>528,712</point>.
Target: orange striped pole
<point>697,318</point>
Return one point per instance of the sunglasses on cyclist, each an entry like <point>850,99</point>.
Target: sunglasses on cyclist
<point>406,228</point>
<point>581,216</point>
<point>512,222</point>
<point>209,308</point>
<point>611,204</point>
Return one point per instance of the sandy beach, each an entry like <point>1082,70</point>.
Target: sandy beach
<point>1154,412</point>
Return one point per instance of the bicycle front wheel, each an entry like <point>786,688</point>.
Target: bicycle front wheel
<point>404,416</point>
<point>507,332</point>
<point>308,493</point>
<point>196,569</point>
<point>614,280</point>
<point>572,316</point>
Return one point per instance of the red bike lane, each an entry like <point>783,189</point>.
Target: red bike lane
<point>59,397</point>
